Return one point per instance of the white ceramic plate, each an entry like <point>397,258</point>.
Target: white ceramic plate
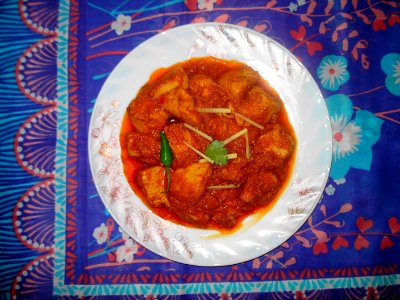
<point>307,113</point>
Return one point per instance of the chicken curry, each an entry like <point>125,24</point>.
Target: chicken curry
<point>207,142</point>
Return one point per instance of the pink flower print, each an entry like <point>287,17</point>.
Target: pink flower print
<point>126,251</point>
<point>105,150</point>
<point>123,23</point>
<point>101,234</point>
<point>206,4</point>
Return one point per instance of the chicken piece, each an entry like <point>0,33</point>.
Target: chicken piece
<point>180,104</point>
<point>146,113</point>
<point>276,143</point>
<point>188,184</point>
<point>258,189</point>
<point>221,127</point>
<point>233,171</point>
<point>177,134</point>
<point>238,81</point>
<point>151,181</point>
<point>227,215</point>
<point>207,92</point>
<point>143,146</point>
<point>222,205</point>
<point>271,150</point>
<point>174,78</point>
<point>189,212</point>
<point>258,106</point>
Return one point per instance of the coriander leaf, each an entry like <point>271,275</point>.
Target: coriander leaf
<point>217,152</point>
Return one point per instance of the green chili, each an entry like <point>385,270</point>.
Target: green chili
<point>166,157</point>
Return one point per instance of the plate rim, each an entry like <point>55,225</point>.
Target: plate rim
<point>239,28</point>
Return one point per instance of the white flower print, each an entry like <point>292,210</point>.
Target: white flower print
<point>340,181</point>
<point>330,190</point>
<point>396,72</point>
<point>353,135</point>
<point>206,4</point>
<point>390,64</point>
<point>346,137</point>
<point>101,234</point>
<point>123,23</point>
<point>292,7</point>
<point>333,72</point>
<point>127,251</point>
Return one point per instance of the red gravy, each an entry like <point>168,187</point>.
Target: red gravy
<point>271,148</point>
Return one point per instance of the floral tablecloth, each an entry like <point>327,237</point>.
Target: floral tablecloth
<point>57,239</point>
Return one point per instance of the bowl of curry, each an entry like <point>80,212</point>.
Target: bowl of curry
<point>210,141</point>
<point>213,151</point>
